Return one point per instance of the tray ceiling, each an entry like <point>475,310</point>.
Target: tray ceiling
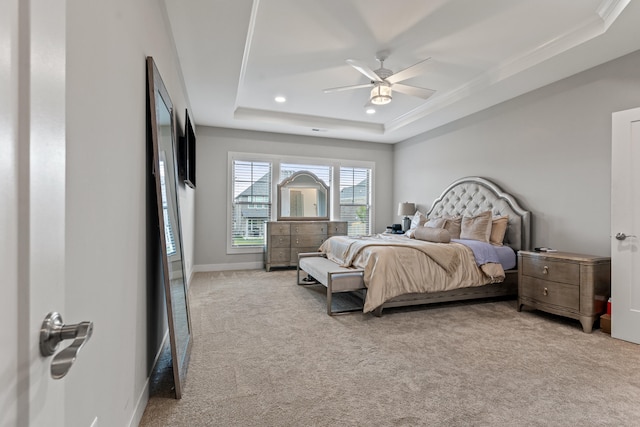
<point>236,56</point>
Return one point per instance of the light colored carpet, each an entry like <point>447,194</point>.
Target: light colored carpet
<point>265,353</point>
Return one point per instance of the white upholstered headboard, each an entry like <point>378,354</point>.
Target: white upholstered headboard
<point>472,195</point>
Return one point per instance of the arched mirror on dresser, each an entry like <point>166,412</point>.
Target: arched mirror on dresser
<point>162,130</point>
<point>303,197</point>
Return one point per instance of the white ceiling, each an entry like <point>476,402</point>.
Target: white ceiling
<point>237,55</point>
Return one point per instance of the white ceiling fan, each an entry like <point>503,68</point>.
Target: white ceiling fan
<point>384,81</point>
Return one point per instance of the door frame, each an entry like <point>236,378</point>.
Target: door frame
<point>624,317</point>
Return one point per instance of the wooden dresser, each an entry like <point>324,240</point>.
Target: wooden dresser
<point>567,284</point>
<point>284,240</point>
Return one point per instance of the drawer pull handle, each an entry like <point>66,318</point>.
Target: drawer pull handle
<point>545,270</point>
<point>545,292</point>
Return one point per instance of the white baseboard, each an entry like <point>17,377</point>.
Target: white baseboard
<point>253,265</point>
<point>143,399</point>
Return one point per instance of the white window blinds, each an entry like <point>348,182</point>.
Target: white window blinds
<point>251,204</point>
<point>355,199</point>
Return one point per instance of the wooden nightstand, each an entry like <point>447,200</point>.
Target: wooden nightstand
<point>567,284</point>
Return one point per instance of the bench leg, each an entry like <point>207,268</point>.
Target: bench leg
<point>330,312</point>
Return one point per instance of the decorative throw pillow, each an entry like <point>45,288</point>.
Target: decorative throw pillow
<point>476,227</point>
<point>498,229</point>
<point>418,220</point>
<point>436,222</point>
<point>431,234</point>
<point>453,226</point>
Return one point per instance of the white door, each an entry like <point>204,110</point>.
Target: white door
<point>32,206</point>
<point>625,208</point>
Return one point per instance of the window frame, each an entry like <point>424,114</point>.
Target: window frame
<point>275,161</point>
<point>369,199</point>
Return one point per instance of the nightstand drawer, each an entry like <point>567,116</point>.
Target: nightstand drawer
<point>556,271</point>
<point>559,294</point>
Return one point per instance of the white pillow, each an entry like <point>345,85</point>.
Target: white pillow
<point>419,219</point>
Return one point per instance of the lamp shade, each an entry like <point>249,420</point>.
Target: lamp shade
<point>406,208</point>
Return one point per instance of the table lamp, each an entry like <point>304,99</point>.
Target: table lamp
<point>406,209</point>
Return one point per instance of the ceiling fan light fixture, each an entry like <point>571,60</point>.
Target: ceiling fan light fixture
<point>381,94</point>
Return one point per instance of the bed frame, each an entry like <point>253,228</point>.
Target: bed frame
<point>467,197</point>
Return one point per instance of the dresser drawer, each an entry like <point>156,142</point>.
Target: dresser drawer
<point>296,251</point>
<point>279,255</point>
<point>280,241</point>
<point>559,294</point>
<point>309,228</point>
<point>278,229</point>
<point>337,229</point>
<point>308,240</point>
<point>556,271</point>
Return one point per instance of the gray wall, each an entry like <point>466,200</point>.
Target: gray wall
<point>551,148</point>
<point>112,274</point>
<point>214,144</point>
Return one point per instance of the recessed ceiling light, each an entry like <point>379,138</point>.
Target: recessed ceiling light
<point>280,99</point>
<point>371,110</point>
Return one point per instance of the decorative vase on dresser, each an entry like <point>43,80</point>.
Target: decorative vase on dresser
<point>567,284</point>
<point>284,240</point>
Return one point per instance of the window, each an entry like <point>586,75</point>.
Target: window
<point>251,204</point>
<point>253,182</point>
<point>355,199</point>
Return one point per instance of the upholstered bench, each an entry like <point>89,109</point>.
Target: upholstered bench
<point>335,278</point>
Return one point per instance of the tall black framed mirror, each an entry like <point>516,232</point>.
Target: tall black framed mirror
<point>164,135</point>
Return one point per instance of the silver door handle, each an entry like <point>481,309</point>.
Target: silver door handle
<point>622,236</point>
<point>52,332</point>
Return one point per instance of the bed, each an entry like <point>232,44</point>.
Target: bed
<point>404,271</point>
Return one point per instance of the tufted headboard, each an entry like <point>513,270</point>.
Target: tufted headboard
<point>472,195</point>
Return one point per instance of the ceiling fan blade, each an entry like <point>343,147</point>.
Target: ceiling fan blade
<point>419,92</point>
<point>364,69</point>
<point>407,73</point>
<point>340,89</point>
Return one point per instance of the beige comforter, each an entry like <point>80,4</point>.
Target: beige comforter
<point>396,265</point>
